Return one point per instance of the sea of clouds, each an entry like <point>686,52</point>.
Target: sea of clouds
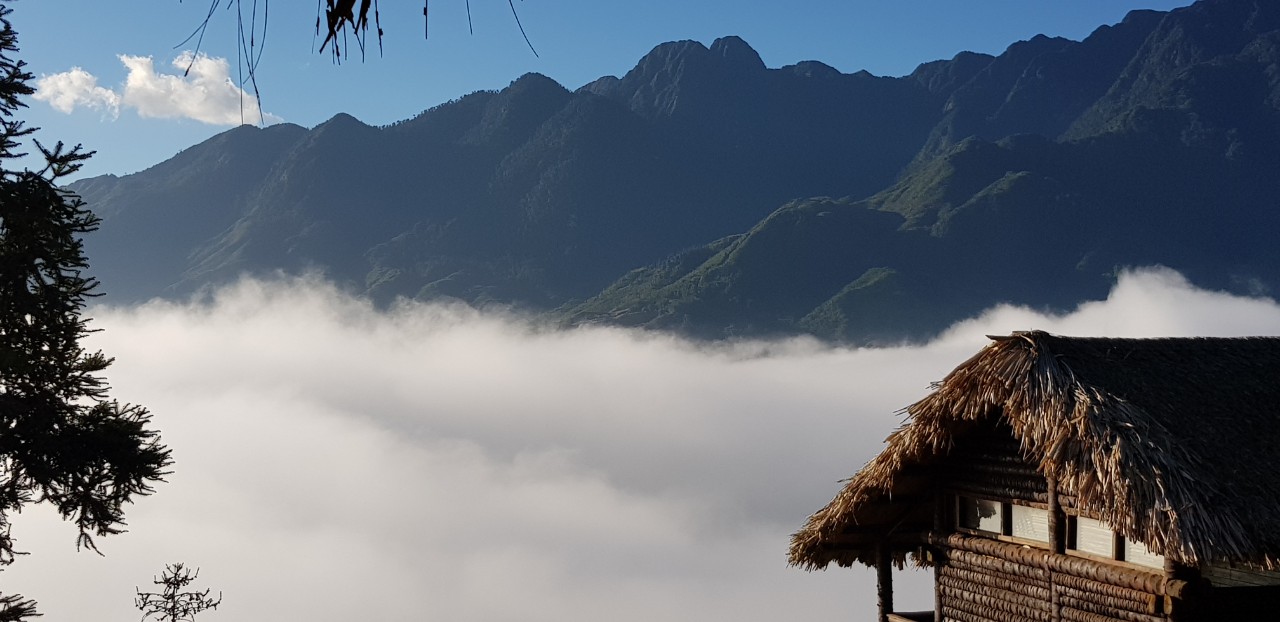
<point>335,462</point>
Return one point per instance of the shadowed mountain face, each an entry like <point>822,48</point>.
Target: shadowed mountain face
<point>531,195</point>
<point>653,199</point>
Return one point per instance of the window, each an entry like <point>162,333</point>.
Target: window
<point>1030,523</point>
<point>1137,553</point>
<point>1005,519</point>
<point>980,515</point>
<point>1094,536</point>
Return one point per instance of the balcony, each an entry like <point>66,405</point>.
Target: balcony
<point>911,616</point>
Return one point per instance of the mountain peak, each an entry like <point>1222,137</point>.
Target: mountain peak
<point>534,79</point>
<point>343,120</point>
<point>665,53</point>
<point>813,68</point>
<point>512,114</point>
<point>662,80</point>
<point>735,52</point>
<point>729,52</point>
<point>1141,16</point>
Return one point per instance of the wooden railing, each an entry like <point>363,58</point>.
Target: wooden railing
<point>911,616</point>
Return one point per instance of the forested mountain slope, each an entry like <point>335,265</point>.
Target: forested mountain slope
<point>678,195</point>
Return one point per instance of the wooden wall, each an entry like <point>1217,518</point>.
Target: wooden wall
<point>986,580</point>
<point>1242,603</point>
<point>989,464</point>
<point>982,579</point>
<point>1227,575</point>
<point>1240,592</point>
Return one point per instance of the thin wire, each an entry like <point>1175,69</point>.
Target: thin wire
<point>319,7</point>
<point>250,63</point>
<point>266,16</point>
<point>239,62</point>
<point>469,27</point>
<point>253,34</point>
<point>204,25</point>
<point>345,43</point>
<point>361,26</point>
<point>355,27</point>
<point>377,23</point>
<point>526,37</point>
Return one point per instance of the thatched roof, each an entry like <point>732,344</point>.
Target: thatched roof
<point>1173,442</point>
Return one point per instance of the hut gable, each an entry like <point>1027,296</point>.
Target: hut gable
<point>1171,442</point>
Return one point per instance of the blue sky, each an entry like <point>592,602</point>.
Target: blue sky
<point>577,41</point>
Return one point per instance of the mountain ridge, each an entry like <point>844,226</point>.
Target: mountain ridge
<point>678,196</point>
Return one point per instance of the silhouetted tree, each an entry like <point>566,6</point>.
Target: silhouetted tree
<point>62,441</point>
<point>171,603</point>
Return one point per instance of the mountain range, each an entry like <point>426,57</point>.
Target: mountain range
<point>705,193</point>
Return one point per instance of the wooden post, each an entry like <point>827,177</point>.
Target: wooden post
<point>1057,518</point>
<point>1057,542</point>
<point>884,579</point>
<point>940,499</point>
<point>1181,609</point>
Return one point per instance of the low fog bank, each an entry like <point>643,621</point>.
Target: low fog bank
<point>335,462</point>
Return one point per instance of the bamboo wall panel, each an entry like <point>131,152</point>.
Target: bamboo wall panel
<point>987,589</point>
<point>986,580</point>
<point>996,492</point>
<point>1075,615</point>
<point>1094,591</point>
<point>1132,578</point>
<point>1224,575</point>
<point>990,465</point>
<point>995,565</point>
<point>951,614</point>
<point>1032,587</point>
<point>1110,612</point>
<point>988,607</point>
<point>968,581</point>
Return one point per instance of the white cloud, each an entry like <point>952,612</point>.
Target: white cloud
<point>432,462</point>
<point>205,92</point>
<point>65,91</point>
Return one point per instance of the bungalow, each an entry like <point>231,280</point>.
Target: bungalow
<point>1077,479</point>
